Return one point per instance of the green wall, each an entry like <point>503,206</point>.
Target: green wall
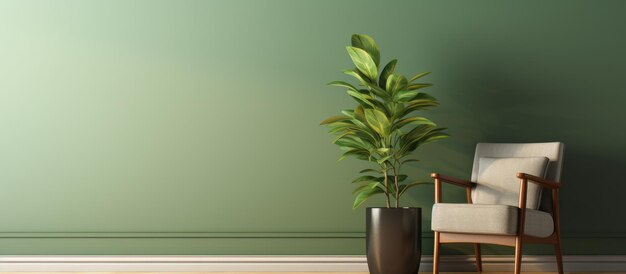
<point>191,127</point>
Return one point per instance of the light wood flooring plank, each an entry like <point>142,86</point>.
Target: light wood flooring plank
<point>290,272</point>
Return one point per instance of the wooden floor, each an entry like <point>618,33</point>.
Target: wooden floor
<point>291,272</point>
<point>285,272</point>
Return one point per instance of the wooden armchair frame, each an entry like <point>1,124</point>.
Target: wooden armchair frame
<point>508,240</point>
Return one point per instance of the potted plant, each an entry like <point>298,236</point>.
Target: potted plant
<point>383,129</point>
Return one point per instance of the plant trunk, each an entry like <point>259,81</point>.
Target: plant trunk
<point>395,179</point>
<point>386,187</point>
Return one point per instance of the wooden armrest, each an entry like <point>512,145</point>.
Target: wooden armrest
<point>452,180</point>
<point>543,182</point>
<point>459,182</point>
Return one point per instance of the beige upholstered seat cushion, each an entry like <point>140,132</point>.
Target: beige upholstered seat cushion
<point>489,219</point>
<point>497,182</point>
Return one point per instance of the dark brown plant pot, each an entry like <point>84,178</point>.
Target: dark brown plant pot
<point>393,240</point>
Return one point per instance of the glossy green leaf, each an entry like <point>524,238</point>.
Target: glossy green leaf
<point>359,113</point>
<point>357,153</point>
<point>404,95</point>
<point>364,195</point>
<point>363,99</point>
<point>411,139</point>
<point>367,43</point>
<point>348,112</point>
<point>417,106</point>
<point>420,131</point>
<point>378,185</point>
<point>342,84</point>
<point>409,160</point>
<point>358,76</point>
<point>344,142</point>
<point>353,142</point>
<point>378,91</point>
<point>383,150</point>
<point>378,121</point>
<point>340,125</point>
<point>356,127</point>
<point>396,109</point>
<point>412,121</point>
<point>389,69</point>
<point>343,134</point>
<point>333,119</point>
<point>365,178</point>
<point>363,62</point>
<point>360,124</point>
<point>424,96</point>
<point>434,136</point>
<point>370,170</point>
<point>420,75</point>
<point>383,159</point>
<point>418,86</point>
<point>422,103</point>
<point>339,129</point>
<point>395,83</point>
<point>360,188</point>
<point>419,102</point>
<point>370,185</point>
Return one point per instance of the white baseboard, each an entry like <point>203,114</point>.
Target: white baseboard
<point>338,263</point>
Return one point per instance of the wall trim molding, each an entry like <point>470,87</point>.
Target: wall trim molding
<point>359,234</point>
<point>183,234</point>
<point>338,263</point>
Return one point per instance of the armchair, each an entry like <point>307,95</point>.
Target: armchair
<point>502,207</point>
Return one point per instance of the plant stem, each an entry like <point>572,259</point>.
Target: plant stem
<point>395,177</point>
<point>386,186</point>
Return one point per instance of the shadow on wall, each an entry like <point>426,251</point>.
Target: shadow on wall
<point>590,195</point>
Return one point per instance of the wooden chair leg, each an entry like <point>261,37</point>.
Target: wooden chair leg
<point>479,262</point>
<point>518,255</point>
<point>559,255</point>
<point>436,254</point>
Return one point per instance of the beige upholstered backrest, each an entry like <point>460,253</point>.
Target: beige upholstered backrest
<point>553,151</point>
